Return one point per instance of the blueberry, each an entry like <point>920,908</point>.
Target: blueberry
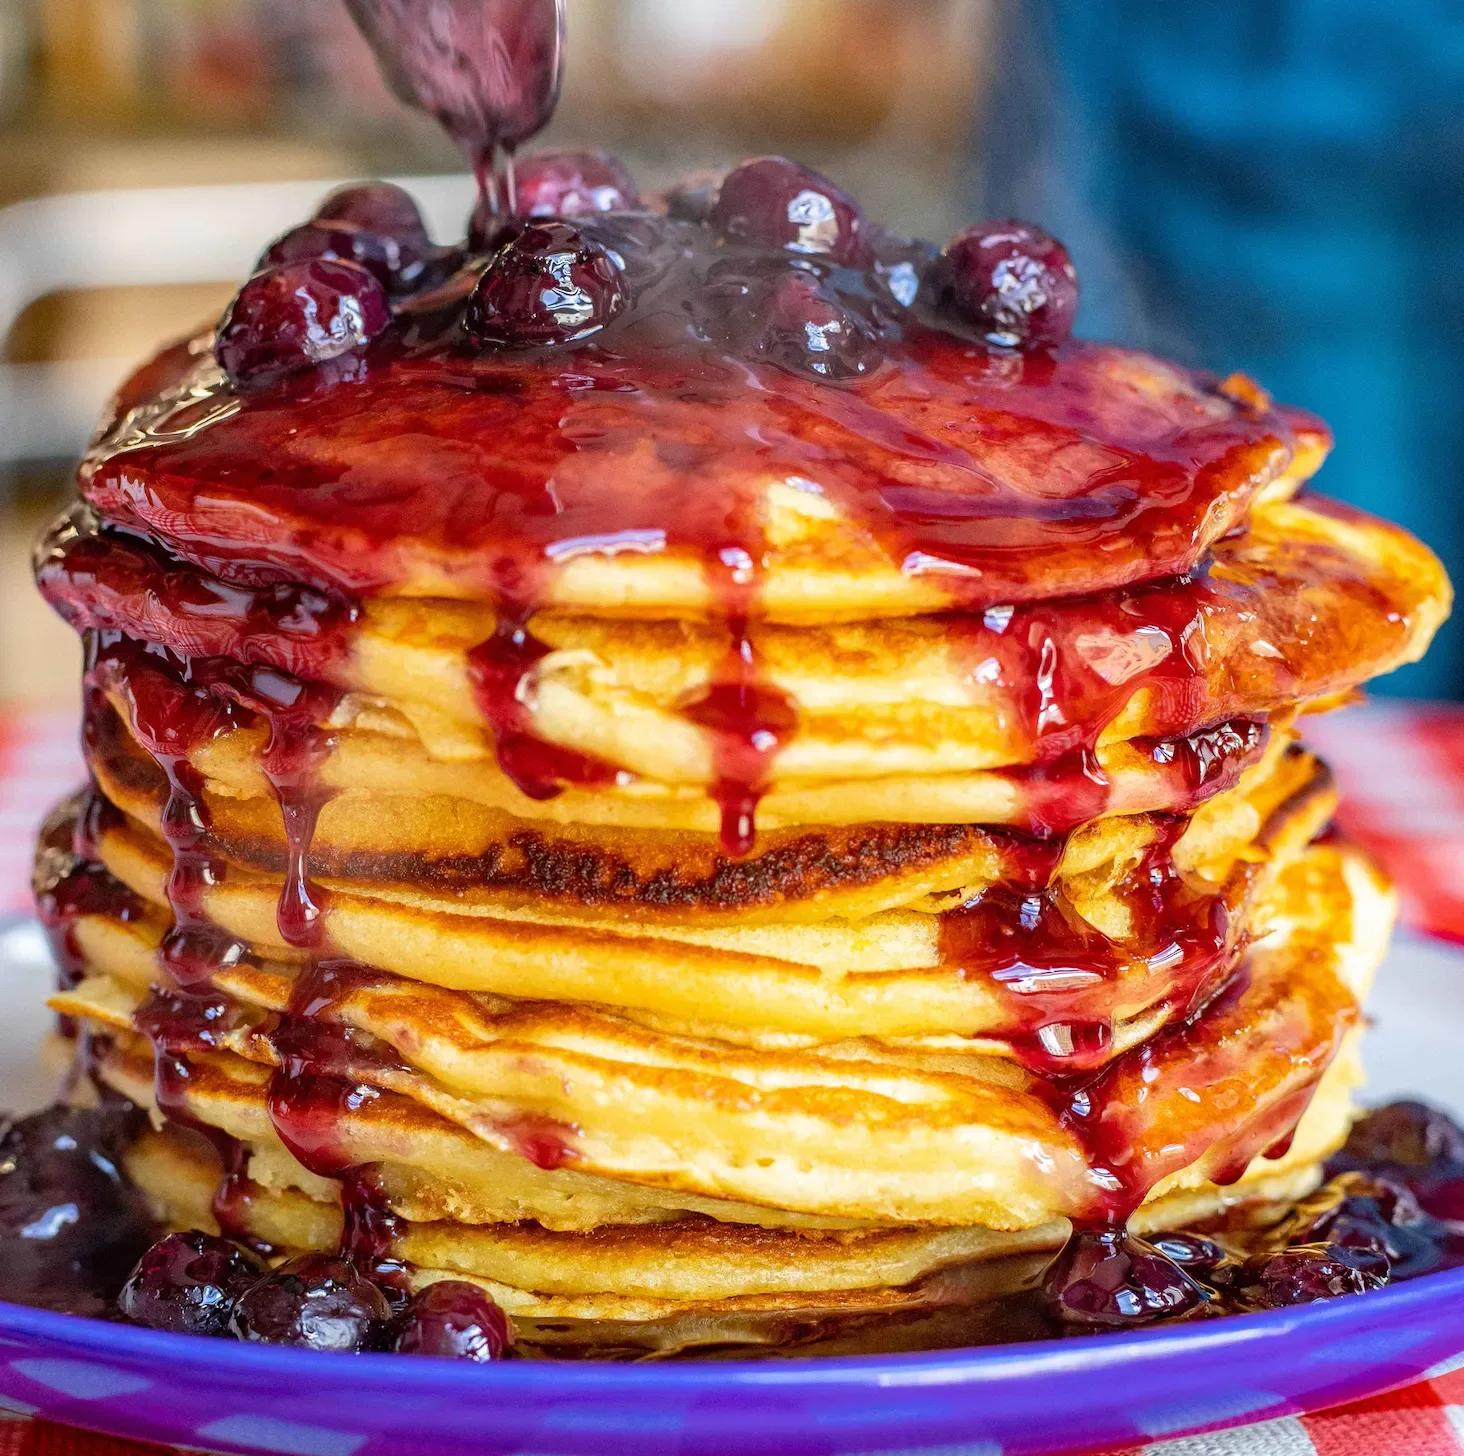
<point>454,1319</point>
<point>188,1282</point>
<point>1110,1278</point>
<point>1378,1221</point>
<point>297,316</point>
<point>1306,1273</point>
<point>566,184</point>
<point>1012,282</point>
<point>316,1301</point>
<point>1192,1252</point>
<point>396,264</point>
<point>382,208</point>
<point>546,284</point>
<point>70,1224</point>
<point>789,314</point>
<point>1405,1135</point>
<point>774,203</point>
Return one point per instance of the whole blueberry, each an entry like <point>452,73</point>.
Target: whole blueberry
<point>1403,1134</point>
<point>298,316</point>
<point>1307,1273</point>
<point>1011,282</point>
<point>188,1282</point>
<point>455,1319</point>
<point>1194,1253</point>
<point>317,1302</point>
<point>382,208</point>
<point>789,314</point>
<point>395,263</point>
<point>1110,1278</point>
<point>566,184</point>
<point>71,1225</point>
<point>771,202</point>
<point>546,284</point>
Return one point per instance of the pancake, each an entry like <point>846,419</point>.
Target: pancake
<point>961,479</point>
<point>910,972</point>
<point>1347,597</point>
<point>864,1131</point>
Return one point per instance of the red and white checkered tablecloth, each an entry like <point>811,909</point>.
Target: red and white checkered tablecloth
<point>1401,767</point>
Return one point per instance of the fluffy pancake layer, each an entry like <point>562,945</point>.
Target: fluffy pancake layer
<point>917,720</point>
<point>867,1127</point>
<point>701,1177</point>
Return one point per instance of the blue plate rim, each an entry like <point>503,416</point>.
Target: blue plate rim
<point>116,1342</point>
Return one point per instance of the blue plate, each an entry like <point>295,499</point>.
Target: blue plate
<point>1025,1400</point>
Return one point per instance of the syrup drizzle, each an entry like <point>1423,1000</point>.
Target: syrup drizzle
<point>315,1085</point>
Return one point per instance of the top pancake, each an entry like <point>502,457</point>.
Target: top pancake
<point>625,479</point>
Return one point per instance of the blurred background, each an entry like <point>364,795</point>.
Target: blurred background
<point>1271,185</point>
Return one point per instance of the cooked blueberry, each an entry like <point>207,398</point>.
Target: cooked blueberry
<point>382,208</point>
<point>188,1282</point>
<point>454,1319</point>
<point>1192,1252</point>
<point>774,203</point>
<point>1010,281</point>
<point>565,184</point>
<point>1379,1222</point>
<point>1307,1273</point>
<point>297,316</point>
<point>396,264</point>
<point>1405,1134</point>
<point>789,314</point>
<point>70,1224</point>
<point>315,1301</point>
<point>1110,1278</point>
<point>546,284</point>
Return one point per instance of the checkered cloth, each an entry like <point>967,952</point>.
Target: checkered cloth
<point>1402,773</point>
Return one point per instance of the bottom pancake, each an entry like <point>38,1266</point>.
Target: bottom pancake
<point>695,1282</point>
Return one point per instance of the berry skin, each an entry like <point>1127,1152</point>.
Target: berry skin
<point>454,1319</point>
<point>396,264</point>
<point>771,202</point>
<point>315,1302</point>
<point>1405,1135</point>
<point>569,184</point>
<point>376,207</point>
<point>1010,281</point>
<point>1109,1278</point>
<point>547,284</point>
<point>1305,1274</point>
<point>1194,1253</point>
<point>70,1224</point>
<point>297,316</point>
<point>188,1282</point>
<point>787,313</point>
<point>557,184</point>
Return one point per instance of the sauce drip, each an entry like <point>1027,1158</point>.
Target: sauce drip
<point>316,1084</point>
<point>488,70</point>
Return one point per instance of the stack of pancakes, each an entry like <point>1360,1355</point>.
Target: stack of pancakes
<point>696,948</point>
